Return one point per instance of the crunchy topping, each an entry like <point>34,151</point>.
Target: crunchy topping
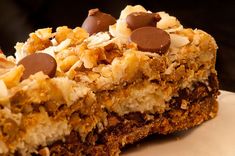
<point>12,77</point>
<point>35,43</point>
<point>168,23</point>
<point>130,9</point>
<point>178,41</point>
<point>98,40</point>
<point>76,35</point>
<point>44,34</point>
<point>4,90</point>
<point>44,152</point>
<point>5,63</point>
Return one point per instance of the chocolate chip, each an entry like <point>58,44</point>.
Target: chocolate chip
<point>97,21</point>
<point>137,20</point>
<point>151,39</point>
<point>38,62</point>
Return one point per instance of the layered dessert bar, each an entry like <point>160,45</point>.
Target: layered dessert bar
<point>93,89</point>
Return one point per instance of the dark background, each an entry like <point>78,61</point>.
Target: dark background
<point>20,17</point>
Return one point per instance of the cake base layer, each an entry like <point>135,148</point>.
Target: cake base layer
<point>189,109</point>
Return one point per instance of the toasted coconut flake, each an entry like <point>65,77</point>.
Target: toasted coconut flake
<point>5,63</point>
<point>130,9</point>
<point>97,39</point>
<point>64,44</point>
<point>178,40</point>
<point>3,147</point>
<point>71,73</point>
<point>20,53</point>
<point>167,21</point>
<point>171,68</point>
<point>68,86</point>
<point>151,54</point>
<point>12,78</point>
<point>44,152</point>
<point>172,30</point>
<point>44,34</point>
<point>3,90</point>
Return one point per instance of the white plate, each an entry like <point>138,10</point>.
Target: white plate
<point>215,137</point>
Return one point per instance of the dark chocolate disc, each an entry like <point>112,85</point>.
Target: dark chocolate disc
<point>97,21</point>
<point>137,20</point>
<point>38,62</point>
<point>151,39</point>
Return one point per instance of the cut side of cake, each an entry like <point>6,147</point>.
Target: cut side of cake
<point>93,89</point>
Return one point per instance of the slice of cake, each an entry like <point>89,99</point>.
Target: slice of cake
<point>92,90</point>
